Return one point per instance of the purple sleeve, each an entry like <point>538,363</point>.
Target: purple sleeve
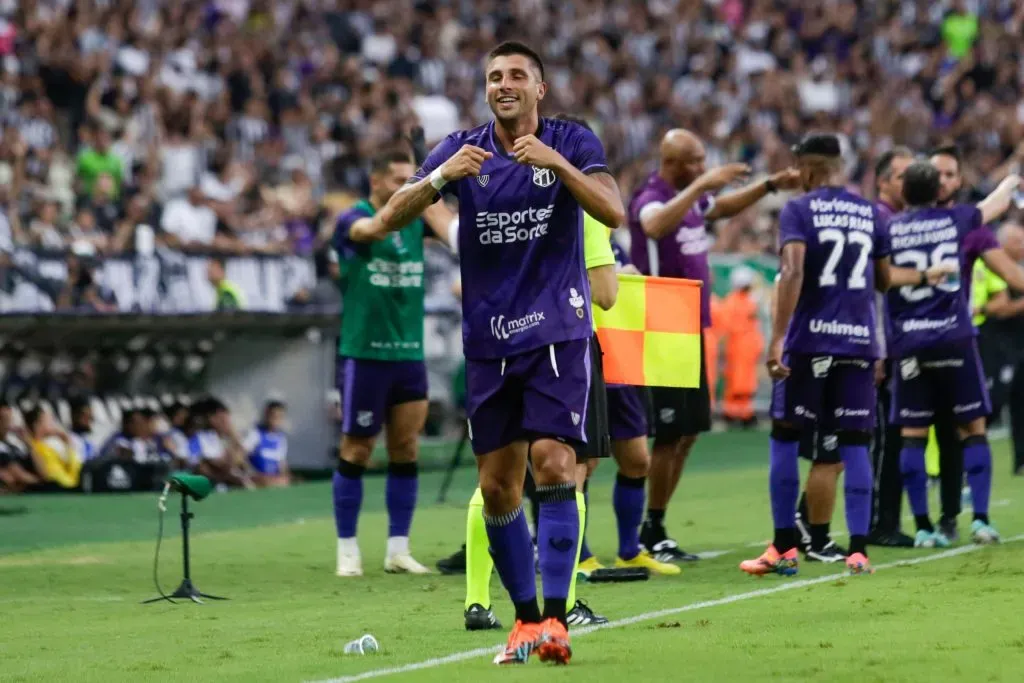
<point>343,246</point>
<point>978,241</point>
<point>883,244</point>
<point>791,225</point>
<point>977,237</point>
<point>440,154</point>
<point>585,151</point>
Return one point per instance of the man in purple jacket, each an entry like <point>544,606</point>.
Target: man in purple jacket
<point>667,223</point>
<point>523,183</point>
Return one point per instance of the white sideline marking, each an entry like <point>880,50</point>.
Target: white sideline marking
<point>712,554</point>
<point>647,616</point>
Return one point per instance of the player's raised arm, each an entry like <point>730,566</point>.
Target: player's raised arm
<point>736,202</point>
<point>437,171</point>
<point>660,222</point>
<point>596,192</point>
<point>998,202</point>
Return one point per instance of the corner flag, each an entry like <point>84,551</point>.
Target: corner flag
<point>651,336</point>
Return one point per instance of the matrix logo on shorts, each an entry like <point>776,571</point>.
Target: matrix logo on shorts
<point>517,226</point>
<point>503,328</point>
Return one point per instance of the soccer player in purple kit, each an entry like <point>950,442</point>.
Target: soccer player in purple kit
<point>834,253</point>
<point>523,183</point>
<point>667,223</point>
<point>936,366</point>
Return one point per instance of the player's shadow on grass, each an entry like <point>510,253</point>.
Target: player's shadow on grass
<point>11,512</point>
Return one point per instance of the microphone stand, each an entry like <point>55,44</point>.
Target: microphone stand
<point>186,589</point>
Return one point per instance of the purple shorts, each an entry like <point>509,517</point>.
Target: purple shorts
<point>834,392</point>
<point>369,388</point>
<point>942,380</point>
<point>537,394</point>
<point>627,412</point>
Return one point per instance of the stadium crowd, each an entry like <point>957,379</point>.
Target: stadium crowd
<point>241,126</point>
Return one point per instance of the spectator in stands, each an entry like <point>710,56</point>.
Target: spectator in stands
<point>81,291</point>
<point>98,160</point>
<point>228,295</point>
<point>172,442</point>
<point>267,447</point>
<point>81,428</point>
<point>17,469</point>
<point>215,447</point>
<point>130,443</point>
<point>58,467</point>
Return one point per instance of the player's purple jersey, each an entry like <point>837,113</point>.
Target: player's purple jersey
<point>885,211</point>
<point>922,317</point>
<point>682,254</point>
<point>836,313</point>
<point>524,280</point>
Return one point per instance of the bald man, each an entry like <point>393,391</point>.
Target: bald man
<point>667,222</point>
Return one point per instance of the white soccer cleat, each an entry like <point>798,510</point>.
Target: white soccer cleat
<point>350,562</point>
<point>404,564</point>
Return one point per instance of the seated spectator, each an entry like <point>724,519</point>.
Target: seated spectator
<point>59,468</point>
<point>267,446</point>
<point>132,442</point>
<point>215,448</point>
<point>17,470</point>
<point>172,444</point>
<point>81,429</point>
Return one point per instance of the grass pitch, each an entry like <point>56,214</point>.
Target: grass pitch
<point>72,570</point>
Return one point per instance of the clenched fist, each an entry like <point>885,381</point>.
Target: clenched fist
<point>529,150</point>
<point>464,163</point>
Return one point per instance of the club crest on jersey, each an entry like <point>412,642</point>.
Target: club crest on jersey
<point>575,298</point>
<point>821,365</point>
<point>909,369</point>
<point>575,419</point>
<point>543,177</point>
<point>483,180</point>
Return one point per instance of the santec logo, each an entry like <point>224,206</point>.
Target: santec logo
<point>516,226</point>
<point>502,328</point>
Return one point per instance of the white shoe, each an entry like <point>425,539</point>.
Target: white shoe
<point>350,562</point>
<point>404,563</point>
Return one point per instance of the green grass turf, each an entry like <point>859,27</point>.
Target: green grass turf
<point>72,570</point>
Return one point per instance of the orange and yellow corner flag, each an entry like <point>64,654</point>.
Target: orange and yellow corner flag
<point>651,336</point>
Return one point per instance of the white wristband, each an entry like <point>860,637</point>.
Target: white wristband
<point>437,181</point>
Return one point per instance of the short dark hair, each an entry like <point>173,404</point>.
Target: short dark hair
<point>274,404</point>
<point>219,260</point>
<point>562,116</point>
<point>514,47</point>
<point>948,151</point>
<point>78,405</point>
<point>821,144</point>
<point>921,184</point>
<point>883,167</point>
<point>381,163</point>
<point>32,416</point>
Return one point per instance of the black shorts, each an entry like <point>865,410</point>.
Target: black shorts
<point>598,442</point>
<point>818,447</point>
<point>682,412</point>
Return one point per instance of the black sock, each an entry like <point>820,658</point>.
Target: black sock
<point>655,517</point>
<point>923,523</point>
<point>802,508</point>
<point>785,540</point>
<point>529,613</point>
<point>981,518</point>
<point>859,544</point>
<point>555,608</point>
<point>819,536</point>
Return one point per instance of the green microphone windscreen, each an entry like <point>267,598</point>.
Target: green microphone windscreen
<point>195,486</point>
